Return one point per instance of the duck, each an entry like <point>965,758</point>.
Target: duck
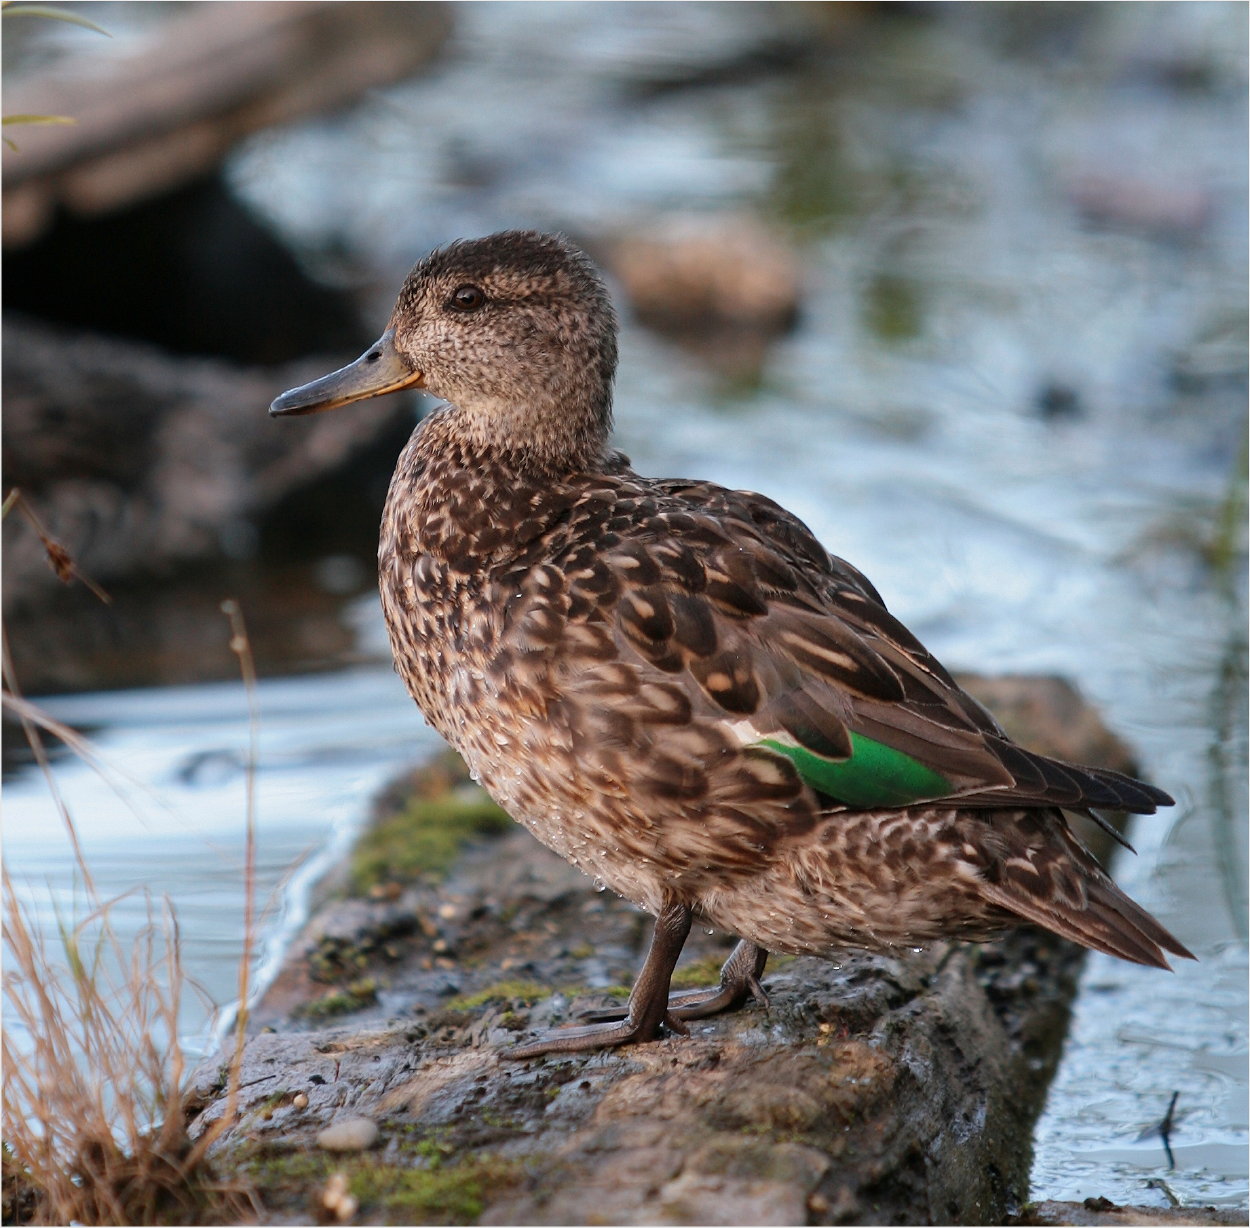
<point>674,685</point>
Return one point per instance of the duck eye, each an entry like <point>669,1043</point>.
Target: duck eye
<point>467,298</point>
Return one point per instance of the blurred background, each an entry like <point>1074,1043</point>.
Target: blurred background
<point>964,286</point>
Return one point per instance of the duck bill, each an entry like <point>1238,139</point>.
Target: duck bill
<point>378,370</point>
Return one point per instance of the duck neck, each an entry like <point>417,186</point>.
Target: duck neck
<point>462,494</point>
<point>560,436</point>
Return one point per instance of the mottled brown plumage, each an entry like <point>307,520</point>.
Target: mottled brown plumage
<point>674,685</point>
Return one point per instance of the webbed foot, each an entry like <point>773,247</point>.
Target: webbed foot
<point>739,980</point>
<point>581,1037</point>
<point>647,1012</point>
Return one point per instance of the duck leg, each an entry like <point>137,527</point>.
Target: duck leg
<point>647,1010</point>
<point>739,980</point>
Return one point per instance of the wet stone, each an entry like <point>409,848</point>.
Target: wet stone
<point>354,1134</point>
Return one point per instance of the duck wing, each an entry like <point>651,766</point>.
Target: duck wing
<point>794,651</point>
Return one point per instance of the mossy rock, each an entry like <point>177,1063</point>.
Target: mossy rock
<point>357,996</point>
<point>440,1193</point>
<point>420,841</point>
<point>501,991</point>
<point>421,1184</point>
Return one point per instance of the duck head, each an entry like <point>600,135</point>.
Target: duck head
<point>516,331</point>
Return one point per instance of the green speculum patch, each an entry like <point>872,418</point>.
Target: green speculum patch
<point>874,775</point>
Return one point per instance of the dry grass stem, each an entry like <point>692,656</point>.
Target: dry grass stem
<point>59,558</point>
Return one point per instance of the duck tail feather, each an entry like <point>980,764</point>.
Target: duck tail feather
<point>1056,883</point>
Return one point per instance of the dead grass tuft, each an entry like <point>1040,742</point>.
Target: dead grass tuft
<point>94,1104</point>
<point>95,1130</point>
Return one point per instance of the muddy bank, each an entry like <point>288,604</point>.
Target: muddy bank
<point>872,1090</point>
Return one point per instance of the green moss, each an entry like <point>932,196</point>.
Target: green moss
<point>281,1174</point>
<point>433,1190</point>
<point>500,1121</point>
<point>611,991</point>
<point>530,991</point>
<point>354,997</point>
<point>433,1150</point>
<point>438,1194</point>
<point>500,991</point>
<point>423,839</point>
<point>701,974</point>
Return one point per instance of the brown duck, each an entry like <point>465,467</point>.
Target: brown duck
<point>674,685</point>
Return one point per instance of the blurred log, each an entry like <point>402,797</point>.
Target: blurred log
<point>172,108</point>
<point>138,461</point>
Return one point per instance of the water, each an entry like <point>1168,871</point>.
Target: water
<point>164,805</point>
<point>1015,398</point>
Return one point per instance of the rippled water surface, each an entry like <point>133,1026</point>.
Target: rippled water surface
<point>1015,398</point>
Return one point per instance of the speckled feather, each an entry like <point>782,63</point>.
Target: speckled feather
<point>651,675</point>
